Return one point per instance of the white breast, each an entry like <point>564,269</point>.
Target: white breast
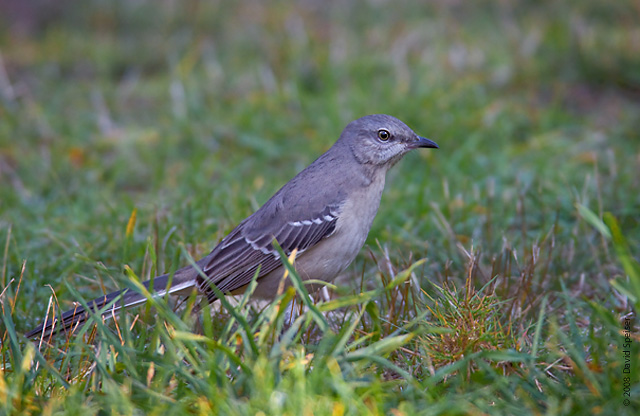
<point>333,255</point>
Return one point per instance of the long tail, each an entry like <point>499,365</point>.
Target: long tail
<point>183,281</point>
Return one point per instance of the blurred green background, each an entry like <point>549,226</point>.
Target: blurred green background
<point>196,112</point>
<point>193,113</point>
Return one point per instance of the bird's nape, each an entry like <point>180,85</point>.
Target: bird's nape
<point>324,214</point>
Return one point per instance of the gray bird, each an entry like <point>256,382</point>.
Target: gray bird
<point>325,212</point>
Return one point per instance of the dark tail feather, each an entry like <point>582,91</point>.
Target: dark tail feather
<point>183,281</point>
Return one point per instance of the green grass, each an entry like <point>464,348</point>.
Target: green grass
<point>193,114</point>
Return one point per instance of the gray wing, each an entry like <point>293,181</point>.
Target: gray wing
<point>233,263</point>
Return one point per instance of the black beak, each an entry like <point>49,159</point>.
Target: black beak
<point>423,142</point>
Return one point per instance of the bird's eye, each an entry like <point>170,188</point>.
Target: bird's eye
<point>384,135</point>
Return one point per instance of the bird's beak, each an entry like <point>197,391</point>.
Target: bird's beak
<point>423,142</point>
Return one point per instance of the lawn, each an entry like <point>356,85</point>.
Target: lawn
<point>501,274</point>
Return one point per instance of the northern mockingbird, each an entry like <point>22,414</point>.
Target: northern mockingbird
<point>325,212</point>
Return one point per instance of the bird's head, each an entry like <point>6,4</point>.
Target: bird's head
<point>382,140</point>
